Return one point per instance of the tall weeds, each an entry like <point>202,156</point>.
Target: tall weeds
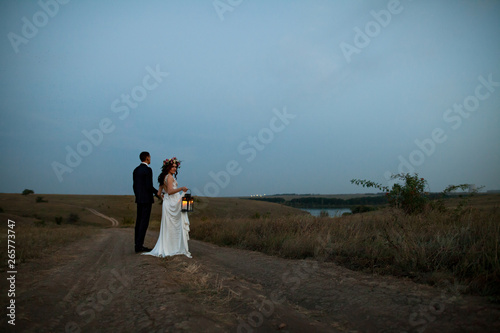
<point>429,248</point>
<point>33,242</point>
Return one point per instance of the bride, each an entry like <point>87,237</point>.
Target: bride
<point>174,228</point>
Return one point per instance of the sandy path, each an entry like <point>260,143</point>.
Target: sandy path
<point>101,285</point>
<point>113,221</point>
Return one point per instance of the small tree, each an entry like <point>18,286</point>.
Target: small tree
<point>410,196</point>
<point>27,192</point>
<point>439,204</point>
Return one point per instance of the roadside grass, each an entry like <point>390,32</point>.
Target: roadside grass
<point>34,239</point>
<point>433,248</point>
<point>42,227</point>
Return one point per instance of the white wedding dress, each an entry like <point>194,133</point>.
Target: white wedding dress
<point>174,228</point>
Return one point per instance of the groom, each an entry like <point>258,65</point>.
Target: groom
<point>143,190</point>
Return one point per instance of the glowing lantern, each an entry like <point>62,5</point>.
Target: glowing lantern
<point>187,203</point>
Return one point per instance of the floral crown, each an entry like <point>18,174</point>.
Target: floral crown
<point>171,161</point>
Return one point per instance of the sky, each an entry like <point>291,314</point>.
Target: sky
<point>254,97</point>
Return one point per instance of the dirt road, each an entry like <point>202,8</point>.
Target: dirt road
<point>101,285</point>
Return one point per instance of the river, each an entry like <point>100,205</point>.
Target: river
<point>332,212</point>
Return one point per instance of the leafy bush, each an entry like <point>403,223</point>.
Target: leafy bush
<point>40,199</point>
<point>362,209</point>
<point>410,196</point>
<point>58,219</point>
<point>26,192</point>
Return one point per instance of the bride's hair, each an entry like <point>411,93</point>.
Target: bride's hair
<point>165,169</point>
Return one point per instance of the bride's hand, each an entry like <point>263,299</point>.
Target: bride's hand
<point>184,189</point>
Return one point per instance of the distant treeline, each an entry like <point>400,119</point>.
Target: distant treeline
<point>319,202</point>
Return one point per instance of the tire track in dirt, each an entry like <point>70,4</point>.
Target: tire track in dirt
<point>102,285</point>
<point>113,221</point>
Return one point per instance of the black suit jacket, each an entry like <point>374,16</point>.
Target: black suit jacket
<point>143,184</point>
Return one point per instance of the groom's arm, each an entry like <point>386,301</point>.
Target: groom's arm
<point>153,189</point>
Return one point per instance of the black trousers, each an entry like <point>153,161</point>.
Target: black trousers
<point>142,223</point>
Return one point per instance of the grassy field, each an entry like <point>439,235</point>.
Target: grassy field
<point>434,248</point>
<point>430,248</point>
<point>47,222</point>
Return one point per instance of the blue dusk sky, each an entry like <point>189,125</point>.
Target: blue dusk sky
<point>255,97</point>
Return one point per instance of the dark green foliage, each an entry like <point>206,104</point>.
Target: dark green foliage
<point>362,209</point>
<point>26,192</point>
<point>410,196</point>
<point>319,202</point>
<point>270,199</point>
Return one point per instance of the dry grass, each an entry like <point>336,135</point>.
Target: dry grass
<point>36,230</point>
<point>34,240</point>
<point>202,286</point>
<point>430,248</point>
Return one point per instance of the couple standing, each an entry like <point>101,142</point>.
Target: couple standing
<point>174,228</point>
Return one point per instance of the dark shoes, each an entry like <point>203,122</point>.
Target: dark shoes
<point>142,249</point>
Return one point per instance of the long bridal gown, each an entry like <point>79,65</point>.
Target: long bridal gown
<point>174,228</point>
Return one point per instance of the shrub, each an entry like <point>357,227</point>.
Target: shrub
<point>128,221</point>
<point>58,219</point>
<point>409,196</point>
<point>362,209</point>
<point>27,192</point>
<point>40,199</point>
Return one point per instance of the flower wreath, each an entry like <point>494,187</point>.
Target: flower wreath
<point>171,161</point>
